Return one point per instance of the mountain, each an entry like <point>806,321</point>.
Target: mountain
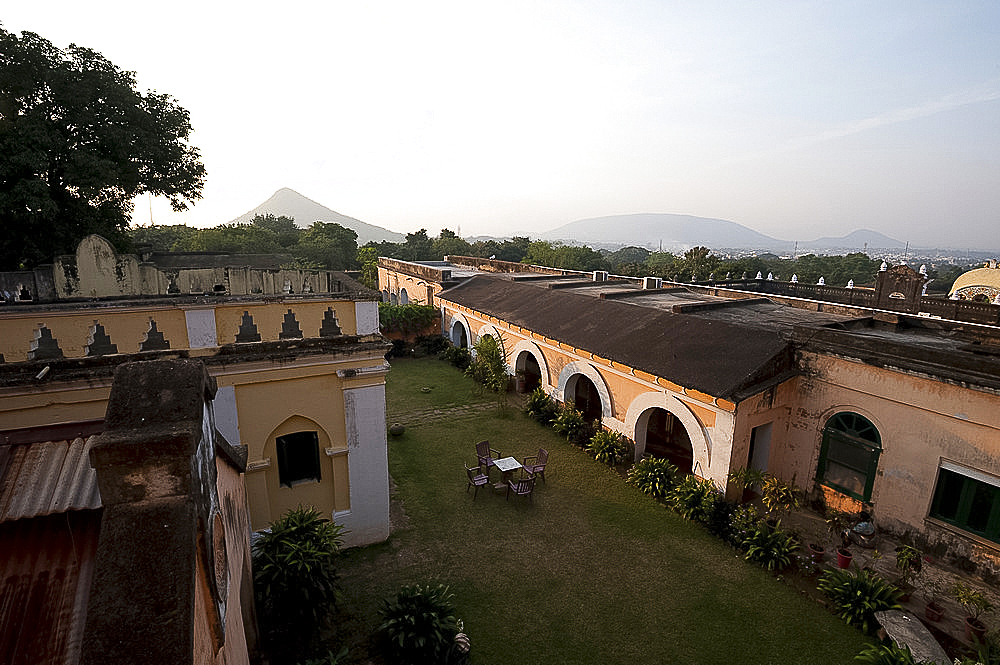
<point>305,211</point>
<point>677,233</point>
<point>857,241</point>
<point>671,232</point>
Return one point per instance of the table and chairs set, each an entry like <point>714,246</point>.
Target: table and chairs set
<point>528,470</point>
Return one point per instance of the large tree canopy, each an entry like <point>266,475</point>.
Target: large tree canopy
<point>78,143</point>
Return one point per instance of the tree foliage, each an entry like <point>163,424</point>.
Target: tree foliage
<point>78,143</point>
<point>328,245</point>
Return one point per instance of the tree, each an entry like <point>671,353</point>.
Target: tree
<point>78,143</point>
<point>419,247</point>
<point>449,244</point>
<point>328,245</point>
<point>161,238</point>
<point>368,260</point>
<point>284,227</point>
<point>231,238</point>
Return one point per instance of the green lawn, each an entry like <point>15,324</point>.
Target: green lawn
<point>591,572</point>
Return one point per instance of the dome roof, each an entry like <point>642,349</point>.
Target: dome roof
<point>979,282</point>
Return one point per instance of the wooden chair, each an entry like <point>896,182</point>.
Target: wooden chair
<point>535,464</point>
<point>522,487</point>
<point>477,479</point>
<point>486,455</point>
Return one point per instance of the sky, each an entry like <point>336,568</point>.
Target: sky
<point>797,119</point>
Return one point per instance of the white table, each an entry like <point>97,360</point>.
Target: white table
<point>507,466</point>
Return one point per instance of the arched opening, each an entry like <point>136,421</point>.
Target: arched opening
<point>404,297</point>
<point>848,458</point>
<point>385,295</point>
<point>585,397</point>
<point>459,335</point>
<point>393,299</point>
<point>667,438</point>
<point>528,372</point>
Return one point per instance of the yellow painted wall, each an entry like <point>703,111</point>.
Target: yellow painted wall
<point>126,326</point>
<point>268,317</point>
<point>316,404</point>
<point>416,287</point>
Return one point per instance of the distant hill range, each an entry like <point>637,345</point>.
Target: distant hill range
<point>289,203</point>
<point>677,233</point>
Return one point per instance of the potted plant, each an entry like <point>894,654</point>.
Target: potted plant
<point>933,610</point>
<point>844,557</point>
<point>817,552</point>
<point>975,604</point>
<point>748,480</point>
<point>909,562</point>
<point>836,522</point>
<point>779,497</point>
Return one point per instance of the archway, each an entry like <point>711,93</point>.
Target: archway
<point>527,367</point>
<point>582,391</point>
<point>667,438</point>
<point>459,334</point>
<point>404,297</point>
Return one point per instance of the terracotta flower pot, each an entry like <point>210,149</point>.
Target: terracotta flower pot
<point>975,630</point>
<point>817,552</point>
<point>933,611</point>
<point>844,557</point>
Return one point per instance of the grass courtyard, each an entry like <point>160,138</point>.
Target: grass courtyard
<point>592,572</point>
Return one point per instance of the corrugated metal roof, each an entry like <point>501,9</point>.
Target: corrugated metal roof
<point>47,477</point>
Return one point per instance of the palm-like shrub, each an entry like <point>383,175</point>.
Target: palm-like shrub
<point>608,447</point>
<point>295,577</point>
<point>857,596</point>
<point>694,499</point>
<point>540,406</point>
<point>570,423</point>
<point>653,476</point>
<point>419,625</point>
<point>771,547</point>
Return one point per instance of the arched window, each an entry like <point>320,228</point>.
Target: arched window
<point>848,458</point>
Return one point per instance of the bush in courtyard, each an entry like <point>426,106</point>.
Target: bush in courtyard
<point>608,447</point>
<point>488,367</point>
<point>720,520</point>
<point>742,522</point>
<point>540,406</point>
<point>857,596</point>
<point>653,476</point>
<point>885,654</point>
<point>694,499</point>
<point>419,626</point>
<point>406,319</point>
<point>295,578</point>
<point>570,423</point>
<point>770,546</point>
<point>432,345</point>
<point>457,356</point>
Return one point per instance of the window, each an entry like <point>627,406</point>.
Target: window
<point>969,500</point>
<point>849,455</point>
<point>298,458</point>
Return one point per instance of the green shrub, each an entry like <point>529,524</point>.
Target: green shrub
<point>885,654</point>
<point>540,406</point>
<point>857,596</point>
<point>329,659</point>
<point>432,345</point>
<point>771,547</point>
<point>405,319</point>
<point>570,423</point>
<point>720,520</point>
<point>694,499</point>
<point>608,448</point>
<point>653,476</point>
<point>744,520</point>
<point>295,578</point>
<point>419,625</point>
<point>457,356</point>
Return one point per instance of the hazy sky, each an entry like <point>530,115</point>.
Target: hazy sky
<point>797,119</point>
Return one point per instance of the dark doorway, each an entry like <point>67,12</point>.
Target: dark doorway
<point>667,438</point>
<point>587,399</point>
<point>531,371</point>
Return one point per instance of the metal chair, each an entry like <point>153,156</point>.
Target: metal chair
<point>477,479</point>
<point>535,464</point>
<point>521,487</point>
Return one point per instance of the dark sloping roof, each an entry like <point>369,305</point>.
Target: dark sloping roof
<point>46,477</point>
<point>720,358</point>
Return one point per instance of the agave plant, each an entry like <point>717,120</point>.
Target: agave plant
<point>608,447</point>
<point>857,596</point>
<point>653,476</point>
